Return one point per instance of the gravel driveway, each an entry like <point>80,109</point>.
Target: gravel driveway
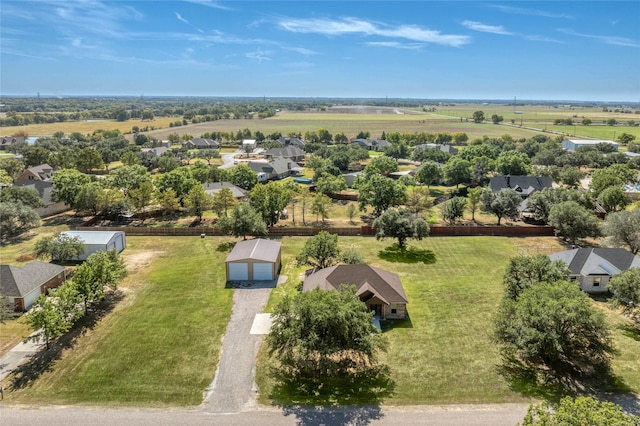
<point>233,389</point>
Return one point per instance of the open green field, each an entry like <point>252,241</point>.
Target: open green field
<point>87,126</point>
<point>160,344</point>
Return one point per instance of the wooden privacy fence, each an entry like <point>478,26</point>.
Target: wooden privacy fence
<point>436,231</point>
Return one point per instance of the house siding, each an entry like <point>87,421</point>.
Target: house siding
<point>588,283</point>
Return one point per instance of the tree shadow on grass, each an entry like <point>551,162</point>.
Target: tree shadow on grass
<point>396,254</point>
<point>225,247</point>
<point>629,331</point>
<point>352,399</point>
<point>43,360</point>
<point>388,325</point>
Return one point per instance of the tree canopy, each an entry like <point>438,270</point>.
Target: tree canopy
<point>503,203</point>
<point>525,271</point>
<point>398,223</point>
<point>242,221</point>
<point>582,410</point>
<point>380,193</point>
<point>59,248</point>
<point>320,251</point>
<point>623,228</point>
<point>572,221</point>
<point>625,288</point>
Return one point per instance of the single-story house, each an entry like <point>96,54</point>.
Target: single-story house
<point>157,151</point>
<point>380,290</point>
<point>201,143</point>
<point>7,141</point>
<point>99,241</point>
<point>372,145</point>
<point>573,144</point>
<point>592,268</point>
<point>44,189</point>
<point>293,153</point>
<point>523,185</point>
<point>254,260</point>
<point>212,188</point>
<point>40,172</point>
<point>23,284</point>
<point>442,147</point>
<point>278,168</point>
<point>291,141</point>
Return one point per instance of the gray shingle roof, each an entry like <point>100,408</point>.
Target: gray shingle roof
<point>18,281</point>
<point>258,249</point>
<point>386,285</point>
<point>213,188</point>
<point>287,151</point>
<point>597,261</point>
<point>524,185</point>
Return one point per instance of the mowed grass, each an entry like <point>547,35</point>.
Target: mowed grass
<point>444,354</point>
<point>88,126</point>
<point>161,344</point>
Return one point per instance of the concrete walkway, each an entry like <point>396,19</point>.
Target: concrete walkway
<point>233,389</point>
<point>18,355</point>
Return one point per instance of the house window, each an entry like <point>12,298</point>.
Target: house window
<point>394,308</point>
<point>596,282</point>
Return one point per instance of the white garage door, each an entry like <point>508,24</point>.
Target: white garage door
<point>262,271</point>
<point>238,271</point>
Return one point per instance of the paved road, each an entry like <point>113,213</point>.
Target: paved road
<point>461,415</point>
<point>233,388</point>
<point>18,355</point>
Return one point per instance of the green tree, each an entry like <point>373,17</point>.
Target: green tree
<point>614,175</point>
<point>457,171</point>
<point>128,178</point>
<point>167,163</point>
<point>324,334</point>
<point>554,326</point>
<point>89,159</point>
<point>243,177</point>
<point>513,163</point>
<point>418,199</point>
<point>474,197</point>
<point>223,200</point>
<point>382,165</point>
<point>380,193</point>
<point>129,158</point>
<point>400,225</point>
<point>321,206</point>
<point>352,256</point>
<point>503,203</point>
<point>59,248</point>
<point>180,180</point>
<point>320,251</point>
<point>351,212</point>
<point>625,290</point>
<point>497,119</point>
<point>27,196</point>
<point>168,201</point>
<point>330,184</point>
<point>453,209</point>
<point>54,315</point>
<point>141,196</point>
<point>15,218</point>
<point>582,410</point>
<point>242,221</point>
<point>197,201</point>
<point>541,202</point>
<point>429,173</point>
<point>270,201</point>
<point>623,228</point>
<point>626,138</point>
<point>525,271</point>
<point>36,155</point>
<point>571,176</point>
<point>613,199</point>
<point>572,221</point>
<point>5,179</point>
<point>12,166</point>
<point>478,116</point>
<point>88,199</point>
<point>67,184</point>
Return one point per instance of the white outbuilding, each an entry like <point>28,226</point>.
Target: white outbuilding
<point>99,241</point>
<point>572,145</point>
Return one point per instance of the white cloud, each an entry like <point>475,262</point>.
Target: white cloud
<point>530,12</point>
<point>354,26</point>
<point>259,55</point>
<point>209,3</point>
<point>180,18</point>
<point>614,40</point>
<point>395,44</point>
<point>302,50</point>
<point>542,38</point>
<point>484,28</point>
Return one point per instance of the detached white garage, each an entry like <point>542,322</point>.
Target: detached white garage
<point>254,260</point>
<point>99,241</point>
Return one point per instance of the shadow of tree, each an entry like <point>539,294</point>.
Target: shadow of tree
<point>354,415</point>
<point>388,325</point>
<point>629,331</point>
<point>225,247</point>
<point>396,254</point>
<point>42,361</point>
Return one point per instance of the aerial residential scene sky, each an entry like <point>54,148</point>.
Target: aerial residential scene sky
<point>547,50</point>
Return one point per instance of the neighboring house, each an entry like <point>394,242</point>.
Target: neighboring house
<point>592,268</point>
<point>254,260</point>
<point>99,241</point>
<point>157,151</point>
<point>572,144</point>
<point>373,145</point>
<point>350,178</point>
<point>408,173</point>
<point>442,147</point>
<point>23,284</point>
<point>201,143</point>
<point>44,189</point>
<point>380,290</point>
<point>7,141</point>
<point>41,172</point>
<point>291,141</point>
<point>293,153</point>
<point>213,188</point>
<point>278,168</point>
<point>248,144</point>
<point>523,185</point>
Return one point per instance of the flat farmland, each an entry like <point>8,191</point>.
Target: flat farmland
<point>87,126</point>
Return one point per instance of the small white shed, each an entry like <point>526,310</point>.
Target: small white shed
<point>254,260</point>
<point>99,241</point>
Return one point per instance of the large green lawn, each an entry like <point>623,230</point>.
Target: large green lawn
<point>444,353</point>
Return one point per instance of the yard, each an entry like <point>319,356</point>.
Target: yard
<point>160,344</point>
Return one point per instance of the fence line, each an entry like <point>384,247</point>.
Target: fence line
<point>436,231</point>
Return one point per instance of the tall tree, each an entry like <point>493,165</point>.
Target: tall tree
<point>525,271</point>
<point>321,206</point>
<point>474,196</point>
<point>400,225</point>
<point>382,165</point>
<point>15,218</point>
<point>270,201</point>
<point>418,199</point>
<point>457,170</point>
<point>320,251</point>
<point>429,173</point>
<point>54,315</point>
<point>380,193</point>
<point>197,201</point>
<point>503,203</point>
<point>453,209</point>
<point>27,196</point>
<point>223,200</point>
<point>67,184</point>
<point>478,116</point>
<point>572,221</point>
<point>244,177</point>
<point>242,221</point>
<point>623,228</point>
<point>59,248</point>
<point>625,290</point>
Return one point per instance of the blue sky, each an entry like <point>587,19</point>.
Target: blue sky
<point>548,50</point>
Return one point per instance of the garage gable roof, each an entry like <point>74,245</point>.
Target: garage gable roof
<point>258,249</point>
<point>93,237</point>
